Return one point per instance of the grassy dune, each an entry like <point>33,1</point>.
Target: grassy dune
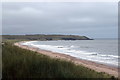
<point>21,63</point>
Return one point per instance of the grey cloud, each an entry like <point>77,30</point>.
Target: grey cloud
<point>64,18</point>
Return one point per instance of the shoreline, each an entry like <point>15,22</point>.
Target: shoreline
<point>89,64</point>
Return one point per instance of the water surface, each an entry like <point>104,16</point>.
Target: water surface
<point>101,51</point>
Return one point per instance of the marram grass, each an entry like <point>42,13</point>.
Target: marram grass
<point>21,63</point>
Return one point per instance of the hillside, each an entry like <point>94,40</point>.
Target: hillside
<point>21,63</point>
<point>45,37</point>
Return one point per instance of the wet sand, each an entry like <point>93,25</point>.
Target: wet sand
<point>89,64</point>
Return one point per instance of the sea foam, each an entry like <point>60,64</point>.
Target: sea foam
<point>92,56</point>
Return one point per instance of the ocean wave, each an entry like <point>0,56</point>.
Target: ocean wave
<point>93,56</point>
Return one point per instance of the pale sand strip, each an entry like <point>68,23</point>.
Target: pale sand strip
<point>92,65</point>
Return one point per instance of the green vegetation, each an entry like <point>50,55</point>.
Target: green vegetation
<point>21,63</point>
<point>44,37</point>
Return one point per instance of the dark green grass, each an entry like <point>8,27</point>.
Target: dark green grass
<point>21,63</point>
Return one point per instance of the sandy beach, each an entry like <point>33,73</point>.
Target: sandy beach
<point>92,65</point>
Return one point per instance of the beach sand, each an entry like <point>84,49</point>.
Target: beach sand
<point>89,64</point>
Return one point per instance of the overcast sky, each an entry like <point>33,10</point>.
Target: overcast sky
<point>95,20</point>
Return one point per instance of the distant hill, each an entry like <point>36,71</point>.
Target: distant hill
<point>45,37</point>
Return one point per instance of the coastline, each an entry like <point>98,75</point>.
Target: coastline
<point>89,64</point>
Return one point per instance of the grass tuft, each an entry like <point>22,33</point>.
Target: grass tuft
<point>21,63</point>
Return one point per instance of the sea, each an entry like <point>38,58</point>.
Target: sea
<point>100,51</point>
